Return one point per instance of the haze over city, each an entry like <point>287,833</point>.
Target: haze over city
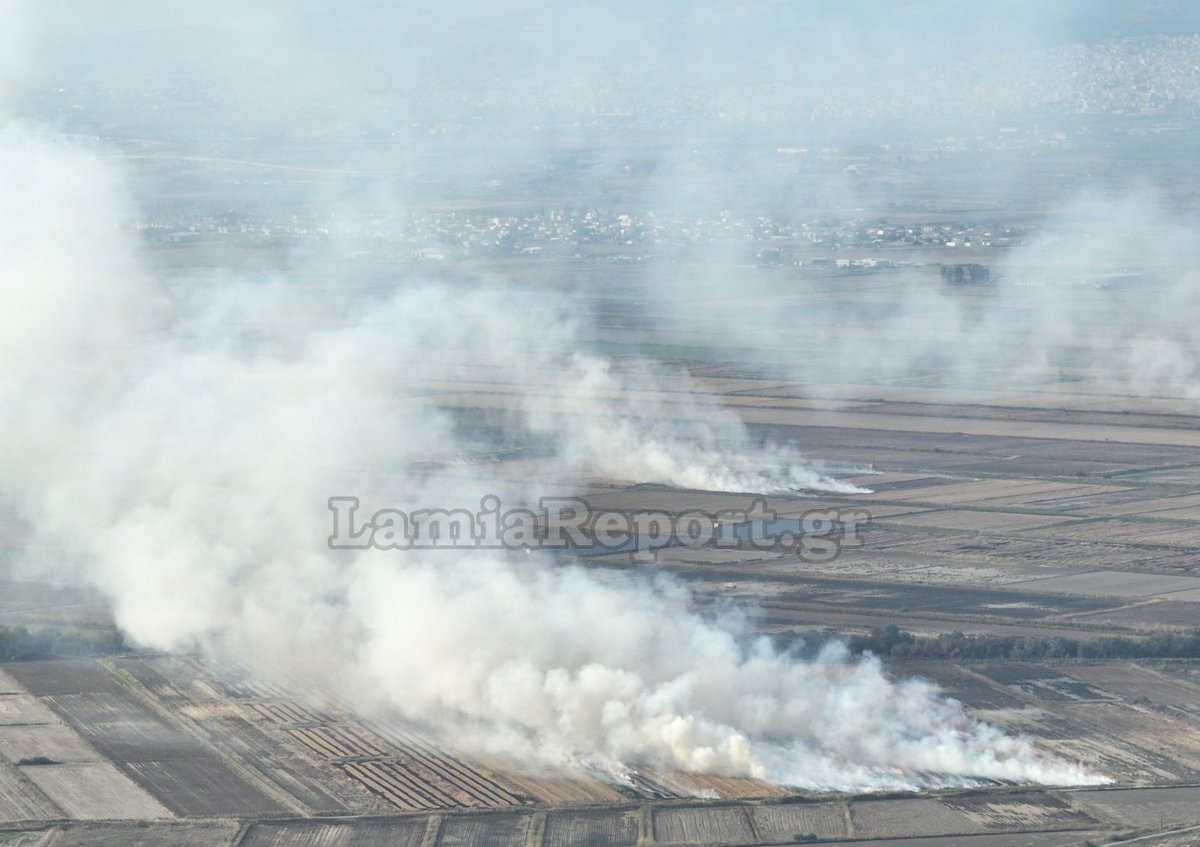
<point>915,280</point>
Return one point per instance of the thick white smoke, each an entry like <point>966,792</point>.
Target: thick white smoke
<point>611,674</point>
<point>1097,298</point>
<point>177,451</point>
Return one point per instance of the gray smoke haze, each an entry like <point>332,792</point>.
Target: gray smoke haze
<point>174,446</point>
<point>1099,299</point>
<point>182,469</point>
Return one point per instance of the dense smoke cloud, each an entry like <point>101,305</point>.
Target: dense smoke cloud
<point>175,449</point>
<point>1099,298</point>
<point>183,467</point>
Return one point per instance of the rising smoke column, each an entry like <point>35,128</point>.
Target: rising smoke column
<point>176,450</point>
<point>180,463</point>
<point>607,674</point>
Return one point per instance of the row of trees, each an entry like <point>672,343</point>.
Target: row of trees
<point>18,644</point>
<point>894,643</point>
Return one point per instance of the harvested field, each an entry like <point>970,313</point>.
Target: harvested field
<point>704,825</point>
<point>125,730</point>
<point>223,726</point>
<point>286,713</point>
<point>1144,808</point>
<point>892,818</point>
<point>1007,813</point>
<point>1027,839</point>
<point>1135,684</point>
<point>965,687</point>
<point>782,821</point>
<point>397,785</point>
<point>1044,683</point>
<point>485,830</point>
<point>23,709</point>
<point>1156,506</point>
<point>933,598</point>
<point>94,791</point>
<point>64,677</point>
<point>337,742</point>
<point>1117,583</point>
<point>467,783</point>
<point>564,789</point>
<point>176,766</point>
<point>726,787</point>
<point>591,829</point>
<point>977,492</point>
<point>1125,531</point>
<point>1175,739</point>
<point>20,800</point>
<point>175,834</point>
<point>203,787</point>
<point>1152,614</point>
<point>649,784</point>
<point>1017,673</point>
<point>969,521</point>
<point>1052,551</point>
<point>52,741</point>
<point>397,766</point>
<point>359,833</point>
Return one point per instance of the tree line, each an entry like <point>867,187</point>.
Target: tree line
<point>18,644</point>
<point>891,642</point>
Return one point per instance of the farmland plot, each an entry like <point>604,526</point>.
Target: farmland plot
<point>558,789</point>
<point>1177,739</point>
<point>591,829</point>
<point>704,825</point>
<point>1131,683</point>
<point>23,709</point>
<point>1036,811</point>
<point>1026,839</point>
<point>19,800</point>
<point>50,741</point>
<point>216,834</point>
<point>125,730</point>
<point>725,787</point>
<point>781,822</point>
<point>177,767</point>
<point>892,818</point>
<point>94,791</point>
<point>203,787</point>
<point>64,677</point>
<point>484,830</point>
<point>364,833</point>
<point>1145,807</point>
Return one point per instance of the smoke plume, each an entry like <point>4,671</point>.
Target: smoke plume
<point>174,446</point>
<point>177,451</point>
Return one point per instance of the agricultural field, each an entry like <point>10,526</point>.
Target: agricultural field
<point>176,834</point>
<point>783,820</point>
<point>953,547</point>
<point>1061,515</point>
<point>917,817</point>
<point>596,828</point>
<point>1039,839</point>
<point>20,800</point>
<point>1144,808</point>
<point>1031,811</point>
<point>704,825</point>
<point>483,830</point>
<point>94,791</point>
<point>360,833</point>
